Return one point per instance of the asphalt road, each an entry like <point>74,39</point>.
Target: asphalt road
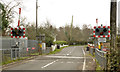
<point>70,58</point>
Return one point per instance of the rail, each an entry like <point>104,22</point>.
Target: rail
<point>101,57</point>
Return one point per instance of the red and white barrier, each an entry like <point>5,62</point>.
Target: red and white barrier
<point>19,16</point>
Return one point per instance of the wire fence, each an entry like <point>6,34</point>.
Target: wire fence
<point>17,53</point>
<point>25,49</point>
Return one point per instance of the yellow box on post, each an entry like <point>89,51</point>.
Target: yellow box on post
<point>40,45</point>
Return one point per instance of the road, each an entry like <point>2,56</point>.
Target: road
<point>70,58</point>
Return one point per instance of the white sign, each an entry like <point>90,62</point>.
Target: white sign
<point>101,39</point>
<point>44,46</point>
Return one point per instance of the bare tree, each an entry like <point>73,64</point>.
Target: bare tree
<point>7,14</point>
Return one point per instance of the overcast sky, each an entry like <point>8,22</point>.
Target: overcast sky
<point>59,12</point>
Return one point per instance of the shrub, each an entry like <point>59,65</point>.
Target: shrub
<point>60,42</point>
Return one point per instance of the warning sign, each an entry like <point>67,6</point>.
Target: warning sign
<point>101,39</point>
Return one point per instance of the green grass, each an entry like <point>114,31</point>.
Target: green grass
<point>15,60</point>
<point>85,46</point>
<point>91,55</point>
<point>35,53</point>
<point>75,45</point>
<point>78,45</point>
<point>23,58</point>
<point>57,50</point>
<point>10,61</point>
<point>98,67</point>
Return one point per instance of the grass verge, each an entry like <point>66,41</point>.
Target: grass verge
<point>10,61</point>
<point>98,67</point>
<point>23,58</point>
<point>79,45</point>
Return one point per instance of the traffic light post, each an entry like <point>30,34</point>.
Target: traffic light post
<point>17,33</point>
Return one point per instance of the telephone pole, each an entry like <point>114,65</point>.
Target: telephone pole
<point>36,15</point>
<point>113,55</point>
<point>71,30</point>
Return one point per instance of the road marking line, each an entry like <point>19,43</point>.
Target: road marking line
<point>93,59</point>
<point>78,62</point>
<point>83,51</point>
<point>89,62</point>
<point>68,54</point>
<point>69,62</point>
<point>64,57</point>
<point>49,64</point>
<point>31,60</point>
<point>61,62</point>
<point>84,63</point>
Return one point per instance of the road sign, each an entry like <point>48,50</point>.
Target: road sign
<point>40,45</point>
<point>101,31</point>
<point>101,39</point>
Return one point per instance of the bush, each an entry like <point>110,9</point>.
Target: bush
<point>49,41</point>
<point>60,42</point>
<point>78,43</point>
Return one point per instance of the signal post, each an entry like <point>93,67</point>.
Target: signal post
<point>101,33</point>
<point>17,33</point>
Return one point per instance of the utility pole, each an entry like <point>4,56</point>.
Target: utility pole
<point>71,29</point>
<point>113,55</point>
<point>36,15</point>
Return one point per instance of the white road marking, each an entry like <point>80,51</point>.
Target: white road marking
<point>61,62</point>
<point>78,62</point>
<point>72,49</point>
<point>93,59</point>
<point>31,60</point>
<point>83,51</point>
<point>64,57</point>
<point>68,54</point>
<point>59,54</point>
<point>0,68</point>
<point>49,64</point>
<point>89,62</point>
<point>84,63</point>
<point>69,62</point>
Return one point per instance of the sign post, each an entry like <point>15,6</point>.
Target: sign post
<point>40,38</point>
<point>102,40</point>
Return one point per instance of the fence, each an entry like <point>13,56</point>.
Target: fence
<point>25,49</point>
<point>92,50</point>
<point>101,57</point>
<point>16,53</point>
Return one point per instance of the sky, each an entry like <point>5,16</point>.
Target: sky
<point>59,12</point>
